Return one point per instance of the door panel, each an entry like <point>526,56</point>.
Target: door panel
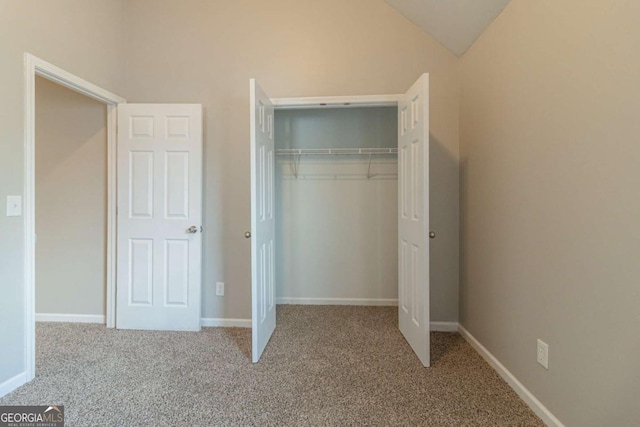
<point>176,185</point>
<point>177,272</point>
<point>141,184</point>
<point>141,272</point>
<point>159,199</point>
<point>263,313</point>
<point>413,217</point>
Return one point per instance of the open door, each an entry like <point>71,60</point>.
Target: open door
<point>159,253</point>
<point>413,217</point>
<point>263,289</point>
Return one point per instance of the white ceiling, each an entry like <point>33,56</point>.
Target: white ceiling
<point>457,24</point>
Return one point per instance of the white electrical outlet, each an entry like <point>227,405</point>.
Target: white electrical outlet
<point>220,289</point>
<point>543,354</point>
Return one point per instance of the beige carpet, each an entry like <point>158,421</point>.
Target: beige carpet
<point>324,366</point>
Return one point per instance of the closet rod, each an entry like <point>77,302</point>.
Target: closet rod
<point>335,151</point>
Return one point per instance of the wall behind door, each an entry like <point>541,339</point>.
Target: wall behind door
<point>71,172</point>
<point>205,52</point>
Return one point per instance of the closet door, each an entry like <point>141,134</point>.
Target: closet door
<point>263,289</point>
<point>413,217</point>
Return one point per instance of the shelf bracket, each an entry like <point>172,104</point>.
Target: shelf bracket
<point>296,164</point>
<point>369,168</point>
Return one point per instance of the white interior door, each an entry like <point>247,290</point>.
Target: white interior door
<point>263,289</point>
<point>413,217</point>
<point>159,253</point>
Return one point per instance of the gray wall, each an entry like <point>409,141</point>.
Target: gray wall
<point>206,51</point>
<point>86,38</point>
<point>550,228</point>
<point>336,230</point>
<point>71,192</point>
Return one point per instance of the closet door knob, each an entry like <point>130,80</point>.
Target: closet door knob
<point>192,230</point>
<point>247,234</point>
<point>432,234</point>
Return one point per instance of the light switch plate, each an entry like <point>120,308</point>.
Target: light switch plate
<point>14,205</point>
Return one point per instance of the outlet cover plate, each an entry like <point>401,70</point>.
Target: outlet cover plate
<point>543,354</point>
<point>220,289</point>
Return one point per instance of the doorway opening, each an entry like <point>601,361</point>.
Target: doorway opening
<point>34,66</point>
<point>70,205</point>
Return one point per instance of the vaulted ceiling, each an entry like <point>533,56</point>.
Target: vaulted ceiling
<point>456,24</point>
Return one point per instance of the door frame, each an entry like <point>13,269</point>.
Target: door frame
<point>332,102</point>
<point>34,66</point>
<point>336,101</point>
<point>390,100</point>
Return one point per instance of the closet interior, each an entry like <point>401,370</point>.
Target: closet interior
<point>336,205</point>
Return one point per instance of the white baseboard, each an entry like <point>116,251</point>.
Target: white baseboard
<point>444,326</point>
<point>70,318</point>
<point>225,323</point>
<point>13,383</point>
<point>337,301</point>
<point>536,406</point>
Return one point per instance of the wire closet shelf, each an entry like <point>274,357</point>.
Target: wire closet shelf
<point>334,151</point>
<point>297,153</point>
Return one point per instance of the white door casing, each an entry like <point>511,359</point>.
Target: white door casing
<point>413,217</point>
<point>263,289</point>
<point>159,257</point>
<point>34,66</point>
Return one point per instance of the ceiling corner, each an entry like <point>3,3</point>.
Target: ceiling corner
<point>456,24</point>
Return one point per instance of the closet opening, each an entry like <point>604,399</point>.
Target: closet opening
<point>336,206</point>
<point>340,206</point>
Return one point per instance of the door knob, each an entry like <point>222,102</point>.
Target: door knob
<point>247,234</point>
<point>432,234</point>
<point>192,230</point>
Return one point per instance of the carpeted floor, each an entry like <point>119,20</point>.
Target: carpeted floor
<point>324,366</point>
